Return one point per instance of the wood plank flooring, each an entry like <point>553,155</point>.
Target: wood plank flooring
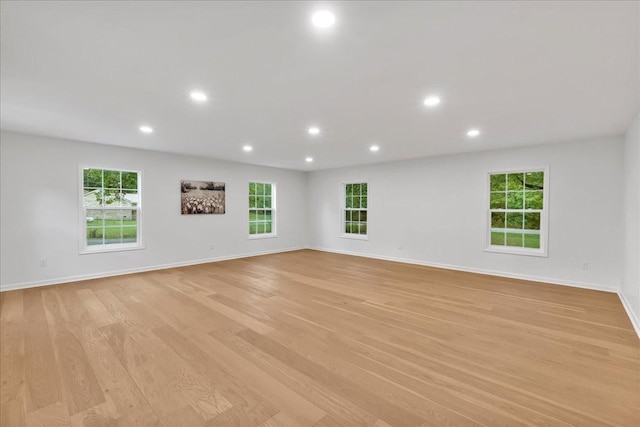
<point>308,338</point>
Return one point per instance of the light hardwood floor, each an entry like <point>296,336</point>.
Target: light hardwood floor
<point>314,339</point>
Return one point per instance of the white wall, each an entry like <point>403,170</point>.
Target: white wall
<point>630,290</point>
<point>429,211</point>
<point>39,210</point>
<point>433,211</point>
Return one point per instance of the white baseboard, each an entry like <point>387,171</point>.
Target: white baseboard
<point>625,303</point>
<point>627,306</point>
<point>25,285</point>
<point>632,315</point>
<point>593,286</point>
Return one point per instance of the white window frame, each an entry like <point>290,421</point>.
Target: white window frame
<point>93,249</point>
<point>543,251</point>
<point>274,214</point>
<point>343,209</point>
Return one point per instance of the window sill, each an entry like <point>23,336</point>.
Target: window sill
<point>110,248</point>
<point>262,236</point>
<point>517,251</point>
<point>355,236</point>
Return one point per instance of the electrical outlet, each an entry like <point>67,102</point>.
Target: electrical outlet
<point>43,263</point>
<point>585,266</point>
<point>213,246</point>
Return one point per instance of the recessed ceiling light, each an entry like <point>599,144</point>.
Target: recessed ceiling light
<point>247,148</point>
<point>314,130</point>
<point>198,96</point>
<point>472,133</point>
<point>309,159</point>
<point>323,19</point>
<point>374,148</point>
<point>146,129</point>
<point>431,101</point>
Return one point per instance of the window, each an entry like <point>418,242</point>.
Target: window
<point>262,209</point>
<point>518,212</point>
<point>354,218</point>
<point>110,210</point>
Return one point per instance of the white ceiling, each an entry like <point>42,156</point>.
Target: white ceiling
<point>522,72</point>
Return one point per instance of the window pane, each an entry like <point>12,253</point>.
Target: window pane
<point>130,217</point>
<point>515,200</point>
<point>92,198</point>
<point>112,197</point>
<point>514,220</point>
<point>524,194</point>
<point>112,218</point>
<point>115,198</point>
<point>118,217</point>
<point>497,238</point>
<point>532,241</point>
<point>92,177</point>
<point>534,180</point>
<point>498,182</point>
<point>130,198</point>
<point>497,219</point>
<point>94,217</point>
<point>514,239</point>
<point>533,199</point>
<point>112,235</point>
<point>94,236</point>
<point>130,180</point>
<point>260,208</point>
<point>112,207</point>
<point>515,181</point>
<point>532,221</point>
<point>498,200</point>
<point>129,234</point>
<point>355,215</point>
<point>111,179</point>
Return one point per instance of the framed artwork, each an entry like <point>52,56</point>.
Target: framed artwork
<point>202,197</point>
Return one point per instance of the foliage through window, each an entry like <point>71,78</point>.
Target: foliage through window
<point>354,220</point>
<point>262,208</point>
<point>517,211</point>
<point>111,208</point>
